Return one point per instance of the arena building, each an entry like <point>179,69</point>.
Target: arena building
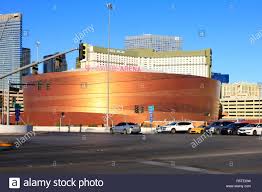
<point>81,97</point>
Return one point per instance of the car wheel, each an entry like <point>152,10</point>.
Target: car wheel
<point>111,131</point>
<point>188,131</point>
<point>254,132</point>
<point>202,131</point>
<point>173,131</point>
<point>125,132</point>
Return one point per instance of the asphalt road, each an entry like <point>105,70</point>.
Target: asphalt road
<point>133,154</point>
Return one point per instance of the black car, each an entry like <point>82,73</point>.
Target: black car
<point>232,128</point>
<point>216,126</point>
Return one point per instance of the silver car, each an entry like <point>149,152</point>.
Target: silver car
<point>125,128</point>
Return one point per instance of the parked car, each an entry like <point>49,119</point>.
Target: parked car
<point>232,128</point>
<point>251,129</point>
<point>216,126</point>
<point>200,129</point>
<point>5,145</point>
<point>174,127</point>
<point>125,128</point>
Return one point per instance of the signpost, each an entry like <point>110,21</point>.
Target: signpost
<point>151,109</point>
<point>17,112</point>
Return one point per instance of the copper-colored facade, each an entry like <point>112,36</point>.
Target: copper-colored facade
<point>82,96</point>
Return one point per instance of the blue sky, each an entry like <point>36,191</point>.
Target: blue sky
<point>228,27</point>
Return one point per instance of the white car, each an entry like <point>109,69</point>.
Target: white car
<point>175,127</point>
<point>125,128</point>
<point>251,129</point>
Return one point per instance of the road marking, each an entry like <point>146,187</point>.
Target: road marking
<point>211,155</point>
<point>185,168</point>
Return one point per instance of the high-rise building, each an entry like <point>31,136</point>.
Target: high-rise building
<point>223,78</point>
<point>26,59</point>
<point>155,42</point>
<point>196,63</point>
<point>241,100</point>
<point>10,45</point>
<point>58,64</point>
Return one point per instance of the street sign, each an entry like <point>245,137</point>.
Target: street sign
<point>17,112</point>
<point>151,117</point>
<point>151,108</point>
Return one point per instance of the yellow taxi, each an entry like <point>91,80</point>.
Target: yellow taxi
<point>198,130</point>
<point>6,145</point>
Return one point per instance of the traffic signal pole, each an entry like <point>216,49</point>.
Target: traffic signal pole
<point>36,63</point>
<point>26,67</point>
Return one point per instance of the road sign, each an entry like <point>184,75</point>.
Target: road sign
<point>151,117</point>
<point>17,112</point>
<point>151,108</point>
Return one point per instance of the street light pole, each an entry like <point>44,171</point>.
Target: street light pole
<point>37,43</point>
<point>259,98</point>
<point>8,104</point>
<point>109,7</point>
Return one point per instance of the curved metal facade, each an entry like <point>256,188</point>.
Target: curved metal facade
<point>82,96</point>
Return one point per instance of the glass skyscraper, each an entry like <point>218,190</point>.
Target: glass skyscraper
<point>26,60</point>
<point>10,45</point>
<point>156,42</point>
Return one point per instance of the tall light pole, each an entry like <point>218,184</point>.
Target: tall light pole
<point>109,7</point>
<point>8,104</point>
<point>3,82</point>
<point>37,44</point>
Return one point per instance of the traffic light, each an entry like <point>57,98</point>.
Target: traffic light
<point>39,85</point>
<point>141,109</point>
<point>136,108</point>
<point>47,85</point>
<point>58,62</point>
<point>82,51</point>
<point>35,70</point>
<point>59,59</point>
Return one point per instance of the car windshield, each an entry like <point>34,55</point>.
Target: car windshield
<point>131,124</point>
<point>225,123</point>
<point>120,124</point>
<point>232,125</point>
<point>215,124</point>
<point>174,123</point>
<point>251,125</point>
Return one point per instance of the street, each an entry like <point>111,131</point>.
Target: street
<point>133,154</point>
